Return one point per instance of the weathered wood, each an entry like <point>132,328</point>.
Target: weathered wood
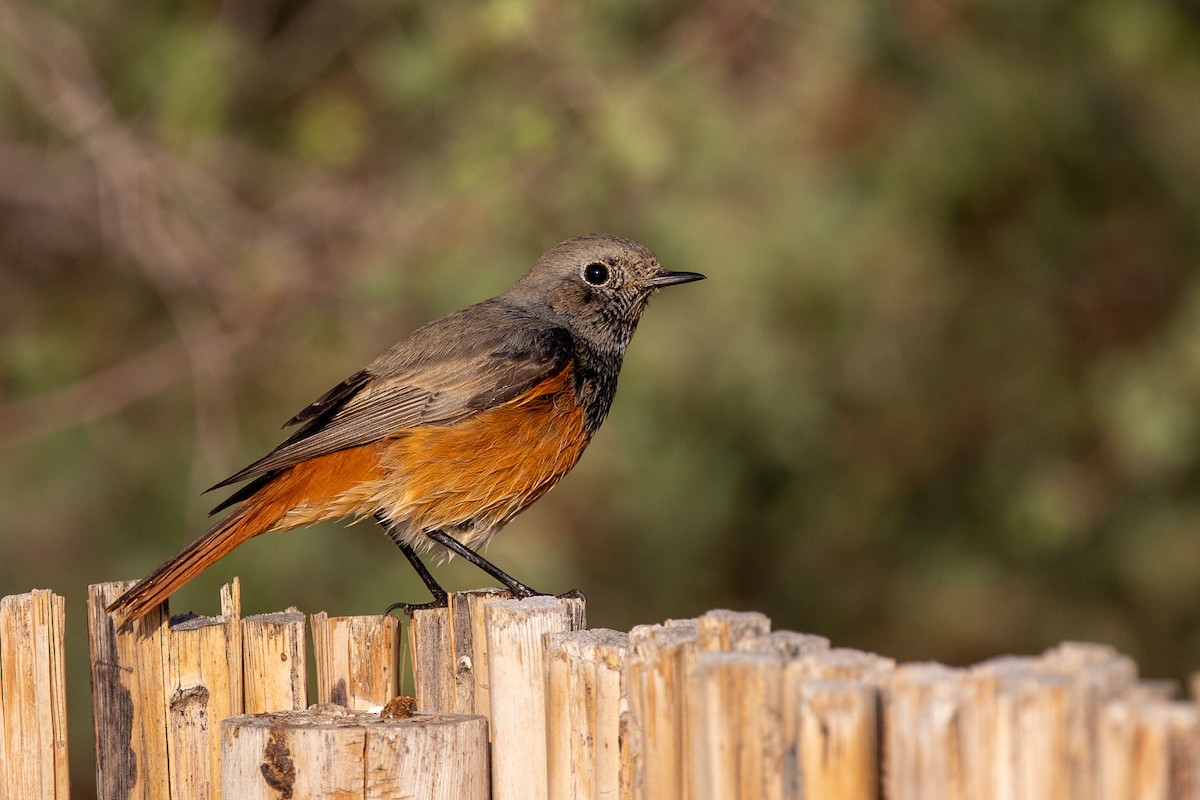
<point>923,745</point>
<point>33,717</point>
<point>721,631</point>
<point>470,626</point>
<point>663,712</point>
<point>431,642</point>
<point>789,644</point>
<point>517,672</point>
<point>1036,711</point>
<point>842,664</point>
<point>1149,750</point>
<point>356,659</point>
<point>587,754</point>
<point>330,751</point>
<point>657,665</point>
<point>204,676</point>
<point>274,663</point>
<point>449,650</point>
<point>735,702</point>
<point>1098,674</point>
<point>129,698</point>
<point>833,727</point>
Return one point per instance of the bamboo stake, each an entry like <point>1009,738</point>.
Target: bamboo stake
<point>275,668</point>
<point>656,674</point>
<point>517,671</point>
<point>204,673</point>
<point>923,750</point>
<point>330,751</point>
<point>789,644</point>
<point>842,664</point>
<point>1036,709</point>
<point>357,659</point>
<point>470,625</point>
<point>1098,675</point>
<point>738,752</point>
<point>723,630</point>
<point>33,722</point>
<point>431,642</point>
<point>129,699</point>
<point>833,726</point>
<point>1150,750</point>
<point>587,755</point>
<point>449,650</point>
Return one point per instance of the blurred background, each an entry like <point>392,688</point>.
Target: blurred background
<point>939,398</point>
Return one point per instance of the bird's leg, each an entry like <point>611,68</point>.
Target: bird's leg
<point>518,589</point>
<point>440,598</point>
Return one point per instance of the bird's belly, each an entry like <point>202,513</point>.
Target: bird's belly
<point>472,476</point>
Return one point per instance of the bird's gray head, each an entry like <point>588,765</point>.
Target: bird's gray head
<point>596,286</point>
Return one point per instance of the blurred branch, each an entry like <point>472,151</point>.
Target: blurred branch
<point>105,393</point>
<point>178,221</point>
<point>136,180</point>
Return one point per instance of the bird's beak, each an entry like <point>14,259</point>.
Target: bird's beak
<point>667,278</point>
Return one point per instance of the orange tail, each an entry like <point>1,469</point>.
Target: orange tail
<point>320,485</point>
<point>245,523</point>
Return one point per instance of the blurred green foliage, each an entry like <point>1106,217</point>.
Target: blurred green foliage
<point>940,397</point>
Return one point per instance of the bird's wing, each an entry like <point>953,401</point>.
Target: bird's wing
<point>442,373</point>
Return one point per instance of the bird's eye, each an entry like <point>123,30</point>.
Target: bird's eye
<point>595,273</point>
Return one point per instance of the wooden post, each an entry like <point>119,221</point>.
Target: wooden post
<point>129,699</point>
<point>1017,730</point>
<point>657,665</point>
<point>833,727</point>
<point>204,674</point>
<point>842,664</point>
<point>923,750</point>
<point>1098,675</point>
<point>789,644</point>
<point>1035,711</point>
<point>517,671</point>
<point>721,631</point>
<point>275,666</point>
<point>588,752</point>
<point>736,706</point>
<point>33,721</point>
<point>431,642</point>
<point>449,650</point>
<point>1149,750</point>
<point>331,751</point>
<point>357,659</point>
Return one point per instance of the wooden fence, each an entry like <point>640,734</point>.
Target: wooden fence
<point>517,699</point>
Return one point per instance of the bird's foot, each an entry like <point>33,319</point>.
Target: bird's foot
<point>440,600</point>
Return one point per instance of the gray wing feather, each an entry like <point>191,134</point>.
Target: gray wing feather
<point>442,373</point>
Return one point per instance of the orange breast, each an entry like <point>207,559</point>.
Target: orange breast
<point>481,471</point>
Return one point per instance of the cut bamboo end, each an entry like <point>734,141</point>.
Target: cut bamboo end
<point>587,746</point>
<point>357,660</point>
<point>657,665</point>
<point>204,678</point>
<point>738,751</point>
<point>721,630</point>
<point>129,697</point>
<point>449,651</point>
<point>922,733</point>
<point>834,727</point>
<point>1149,749</point>
<point>274,664</point>
<point>330,751</point>
<point>33,719</point>
<point>516,657</point>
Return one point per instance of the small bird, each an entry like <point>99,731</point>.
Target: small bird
<point>453,431</point>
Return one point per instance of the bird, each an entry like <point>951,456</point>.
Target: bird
<point>452,432</point>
